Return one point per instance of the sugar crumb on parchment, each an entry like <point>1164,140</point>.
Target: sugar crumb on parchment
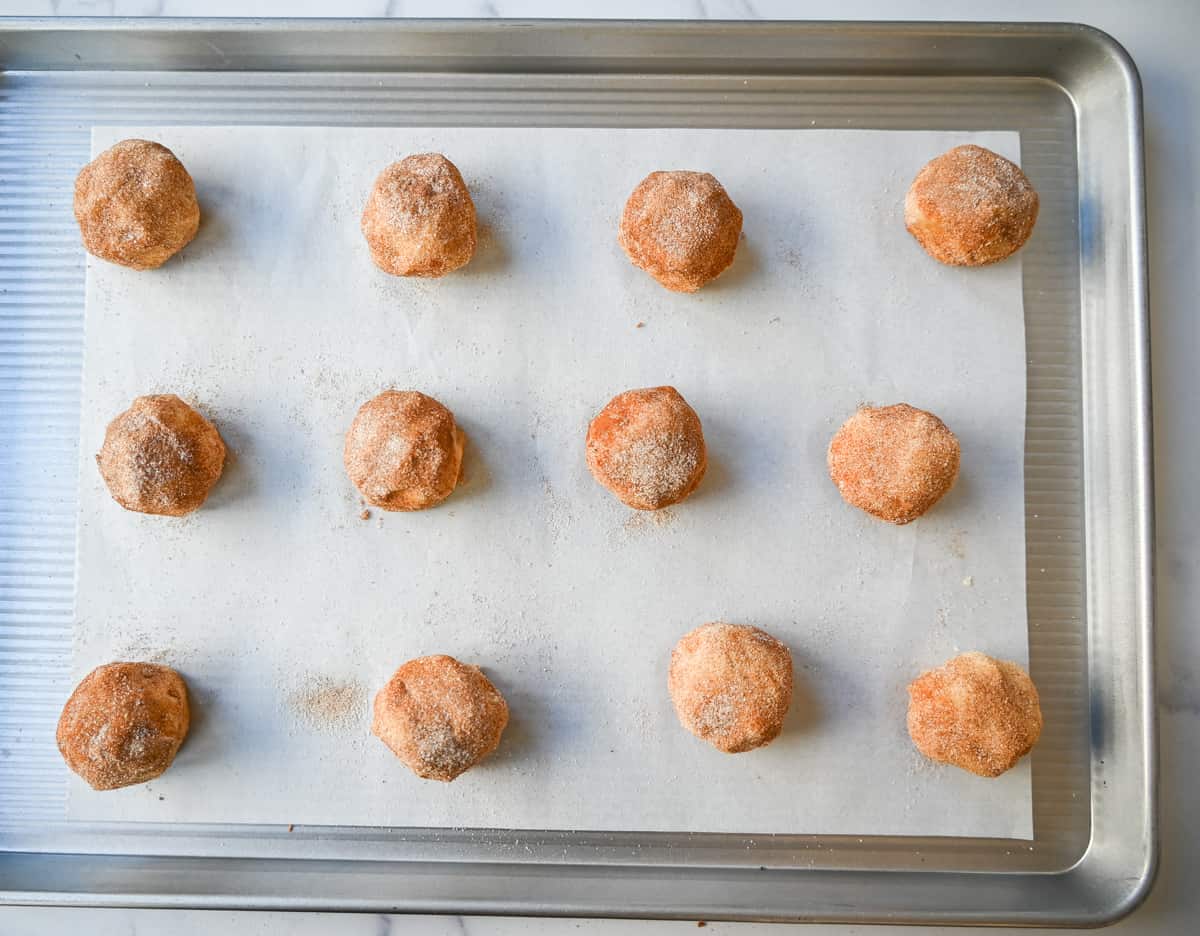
<point>327,704</point>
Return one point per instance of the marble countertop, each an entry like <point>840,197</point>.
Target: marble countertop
<point>1159,34</point>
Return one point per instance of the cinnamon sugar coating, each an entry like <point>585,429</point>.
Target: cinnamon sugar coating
<point>439,716</point>
<point>403,451</point>
<point>680,227</point>
<point>731,685</point>
<point>419,219</point>
<point>971,207</point>
<point>123,724</point>
<point>647,447</point>
<point>136,205</point>
<point>161,457</point>
<point>975,712</point>
<point>894,462</point>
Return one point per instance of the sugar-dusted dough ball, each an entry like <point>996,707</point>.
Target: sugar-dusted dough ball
<point>647,447</point>
<point>161,457</point>
<point>731,685</point>
<point>136,205</point>
<point>123,724</point>
<point>975,712</point>
<point>894,462</point>
<point>439,716</point>
<point>970,207</point>
<point>680,227</point>
<point>404,451</point>
<point>419,219</point>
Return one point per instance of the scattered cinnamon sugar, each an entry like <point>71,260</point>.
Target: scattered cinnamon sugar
<point>365,515</point>
<point>419,219</point>
<point>731,685</point>
<point>326,705</point>
<point>647,447</point>
<point>559,511</point>
<point>646,521</point>
<point>975,712</point>
<point>970,207</point>
<point>894,462</point>
<point>680,227</point>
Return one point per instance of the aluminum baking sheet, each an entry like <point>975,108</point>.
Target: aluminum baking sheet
<point>286,611</point>
<point>1073,96</point>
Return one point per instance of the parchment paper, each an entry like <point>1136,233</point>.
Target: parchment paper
<point>286,611</point>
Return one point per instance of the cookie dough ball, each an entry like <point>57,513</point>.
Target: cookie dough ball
<point>731,685</point>
<point>404,451</point>
<point>975,712</point>
<point>161,457</point>
<point>647,447</point>
<point>894,462</point>
<point>439,716</point>
<point>136,205</point>
<point>419,219</point>
<point>123,724</point>
<point>680,227</point>
<point>971,207</point>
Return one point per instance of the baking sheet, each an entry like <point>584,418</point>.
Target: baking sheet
<point>286,611</point>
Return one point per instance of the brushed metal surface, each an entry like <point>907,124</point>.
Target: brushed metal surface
<point>1074,97</point>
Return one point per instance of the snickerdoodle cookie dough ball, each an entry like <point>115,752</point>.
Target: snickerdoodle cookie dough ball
<point>136,205</point>
<point>680,227</point>
<point>971,207</point>
<point>404,451</point>
<point>123,724</point>
<point>975,712</point>
<point>419,219</point>
<point>894,462</point>
<point>647,447</point>
<point>731,685</point>
<point>439,716</point>
<point>161,457</point>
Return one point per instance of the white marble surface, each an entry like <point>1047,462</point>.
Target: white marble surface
<point>1160,35</point>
